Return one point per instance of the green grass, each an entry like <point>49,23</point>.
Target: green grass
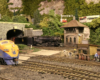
<point>35,49</point>
<point>25,47</point>
<point>20,51</point>
<point>22,46</point>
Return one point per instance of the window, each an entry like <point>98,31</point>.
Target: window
<point>74,40</point>
<point>79,51</point>
<point>5,42</point>
<point>81,29</point>
<point>70,40</point>
<point>85,51</point>
<point>66,40</point>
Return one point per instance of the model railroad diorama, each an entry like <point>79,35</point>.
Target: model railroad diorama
<point>75,64</point>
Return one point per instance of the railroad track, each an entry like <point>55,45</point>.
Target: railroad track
<point>67,72</point>
<point>66,60</point>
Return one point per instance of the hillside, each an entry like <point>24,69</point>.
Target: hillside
<point>57,6</point>
<point>16,3</point>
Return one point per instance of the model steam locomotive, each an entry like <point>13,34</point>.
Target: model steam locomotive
<point>46,41</point>
<point>39,41</point>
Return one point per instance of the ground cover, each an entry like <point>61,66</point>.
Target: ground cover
<point>24,49</point>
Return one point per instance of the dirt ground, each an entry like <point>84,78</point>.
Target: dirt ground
<point>46,48</point>
<point>12,73</point>
<point>54,48</point>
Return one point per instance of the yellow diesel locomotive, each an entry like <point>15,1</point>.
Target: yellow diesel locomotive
<point>9,52</point>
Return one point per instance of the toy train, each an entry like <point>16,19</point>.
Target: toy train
<point>39,41</point>
<point>9,53</point>
<point>46,41</point>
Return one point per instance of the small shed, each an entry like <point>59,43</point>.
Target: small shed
<point>75,33</point>
<point>87,50</point>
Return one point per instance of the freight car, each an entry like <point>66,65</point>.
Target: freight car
<point>9,52</point>
<point>46,40</point>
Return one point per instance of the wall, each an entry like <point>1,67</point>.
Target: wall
<point>6,26</point>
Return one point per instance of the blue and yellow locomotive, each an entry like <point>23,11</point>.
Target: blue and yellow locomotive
<point>9,52</point>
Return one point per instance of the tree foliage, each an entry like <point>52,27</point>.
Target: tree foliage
<point>37,17</point>
<point>44,22</point>
<point>4,8</point>
<point>95,23</point>
<point>84,9</point>
<point>53,25</point>
<point>95,36</point>
<point>94,31</point>
<point>30,6</point>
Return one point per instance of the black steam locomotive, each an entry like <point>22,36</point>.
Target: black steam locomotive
<point>46,41</point>
<point>39,41</point>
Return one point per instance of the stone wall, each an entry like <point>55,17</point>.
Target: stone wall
<point>6,26</point>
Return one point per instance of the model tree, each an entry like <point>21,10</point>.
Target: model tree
<point>37,17</point>
<point>53,25</point>
<point>4,7</point>
<point>95,32</point>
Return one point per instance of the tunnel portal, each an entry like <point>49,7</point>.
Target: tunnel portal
<point>14,33</point>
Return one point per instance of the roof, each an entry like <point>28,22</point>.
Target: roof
<point>73,23</point>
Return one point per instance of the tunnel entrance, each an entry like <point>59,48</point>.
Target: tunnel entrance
<point>14,33</point>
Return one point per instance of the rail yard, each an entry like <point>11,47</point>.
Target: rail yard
<point>41,67</point>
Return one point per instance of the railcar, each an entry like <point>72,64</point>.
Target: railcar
<point>9,52</point>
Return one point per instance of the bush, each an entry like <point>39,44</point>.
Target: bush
<point>21,46</point>
<point>32,26</point>
<point>20,19</point>
<point>6,18</point>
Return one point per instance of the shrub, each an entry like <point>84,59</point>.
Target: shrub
<point>21,46</point>
<point>20,19</point>
<point>32,26</point>
<point>6,18</point>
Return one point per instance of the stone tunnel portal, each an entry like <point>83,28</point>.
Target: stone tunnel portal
<point>13,33</point>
